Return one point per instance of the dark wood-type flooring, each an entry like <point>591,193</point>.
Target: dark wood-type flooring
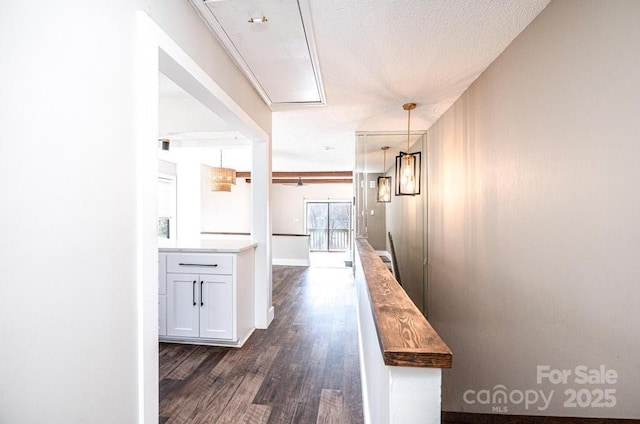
<point>303,369</point>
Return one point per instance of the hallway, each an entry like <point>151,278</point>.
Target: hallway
<point>303,369</point>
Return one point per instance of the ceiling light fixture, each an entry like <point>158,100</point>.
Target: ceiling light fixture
<point>258,20</point>
<point>384,182</point>
<point>221,179</point>
<point>408,165</point>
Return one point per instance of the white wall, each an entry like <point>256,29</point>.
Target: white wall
<point>67,292</point>
<point>70,310</point>
<point>188,199</point>
<point>167,168</point>
<point>534,238</point>
<point>291,250</point>
<point>230,212</point>
<point>225,211</point>
<point>288,203</point>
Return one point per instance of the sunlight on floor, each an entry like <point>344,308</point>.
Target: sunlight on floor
<point>328,259</point>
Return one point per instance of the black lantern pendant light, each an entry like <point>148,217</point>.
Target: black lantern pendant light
<point>408,165</point>
<point>384,183</point>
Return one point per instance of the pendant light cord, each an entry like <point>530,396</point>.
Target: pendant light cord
<point>408,130</point>
<point>409,107</point>
<point>384,159</point>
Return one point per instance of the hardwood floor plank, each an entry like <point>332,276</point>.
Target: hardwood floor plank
<point>236,407</point>
<point>284,397</point>
<point>189,363</point>
<point>171,356</point>
<point>330,411</point>
<point>312,381</point>
<point>211,407</point>
<point>303,369</point>
<point>352,391</point>
<point>256,414</point>
<point>208,378</point>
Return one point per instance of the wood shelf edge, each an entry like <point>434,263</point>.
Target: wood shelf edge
<point>405,336</point>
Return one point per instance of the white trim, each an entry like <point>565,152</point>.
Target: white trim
<point>146,127</point>
<point>208,342</point>
<point>271,314</point>
<point>236,56</point>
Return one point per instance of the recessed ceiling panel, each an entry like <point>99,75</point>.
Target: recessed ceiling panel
<point>272,42</point>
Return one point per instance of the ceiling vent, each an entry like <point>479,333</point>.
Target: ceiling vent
<point>272,42</point>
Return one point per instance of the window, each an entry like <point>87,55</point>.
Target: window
<point>329,226</point>
<point>166,206</point>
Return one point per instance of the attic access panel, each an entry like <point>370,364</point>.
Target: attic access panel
<point>278,56</point>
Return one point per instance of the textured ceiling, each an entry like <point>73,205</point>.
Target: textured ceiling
<point>376,55</point>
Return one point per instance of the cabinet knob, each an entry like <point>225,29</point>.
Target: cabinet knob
<point>201,299</point>
<point>194,293</point>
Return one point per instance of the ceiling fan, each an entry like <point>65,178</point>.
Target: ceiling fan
<point>299,183</point>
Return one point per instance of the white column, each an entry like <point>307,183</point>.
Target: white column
<point>146,122</point>
<point>261,230</point>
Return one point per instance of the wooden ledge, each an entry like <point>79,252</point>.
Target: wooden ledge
<point>406,338</point>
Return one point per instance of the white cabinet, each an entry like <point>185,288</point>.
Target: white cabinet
<point>183,307</point>
<point>216,307</point>
<point>200,305</point>
<point>209,298</point>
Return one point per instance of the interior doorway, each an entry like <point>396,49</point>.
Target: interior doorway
<point>157,53</point>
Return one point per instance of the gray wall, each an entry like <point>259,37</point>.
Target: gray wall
<point>534,237</point>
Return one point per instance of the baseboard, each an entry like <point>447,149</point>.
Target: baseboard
<point>468,418</point>
<point>202,342</point>
<point>290,262</point>
<point>271,315</point>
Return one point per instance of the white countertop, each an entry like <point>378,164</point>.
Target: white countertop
<point>205,246</point>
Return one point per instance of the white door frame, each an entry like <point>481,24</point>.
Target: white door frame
<point>156,51</point>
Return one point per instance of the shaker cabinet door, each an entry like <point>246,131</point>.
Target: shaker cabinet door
<point>216,309</point>
<point>183,305</point>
